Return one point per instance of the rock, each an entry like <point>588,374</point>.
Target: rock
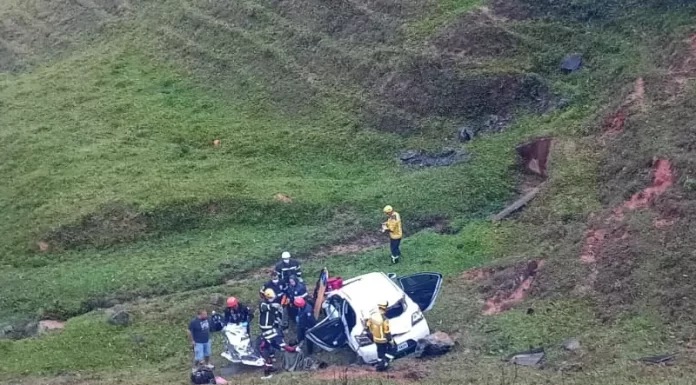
<point>571,344</point>
<point>46,326</point>
<point>30,329</point>
<point>571,63</point>
<point>6,330</point>
<point>118,316</point>
<point>217,299</point>
<point>420,158</point>
<point>436,344</point>
<point>466,133</point>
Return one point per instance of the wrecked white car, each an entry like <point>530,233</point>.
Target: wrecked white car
<point>408,297</point>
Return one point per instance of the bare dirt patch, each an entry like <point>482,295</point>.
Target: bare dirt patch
<point>504,286</point>
<point>360,244</point>
<point>411,373</point>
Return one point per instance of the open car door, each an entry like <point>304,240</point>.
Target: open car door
<point>329,334</point>
<point>423,288</point>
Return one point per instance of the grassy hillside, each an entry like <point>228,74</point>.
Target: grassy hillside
<point>115,191</point>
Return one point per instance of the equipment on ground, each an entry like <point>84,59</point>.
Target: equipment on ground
<point>239,348</point>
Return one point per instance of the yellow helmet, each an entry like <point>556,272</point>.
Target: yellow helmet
<point>269,294</point>
<point>388,209</point>
<point>376,319</point>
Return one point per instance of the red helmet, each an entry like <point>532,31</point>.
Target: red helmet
<point>232,302</point>
<point>299,302</point>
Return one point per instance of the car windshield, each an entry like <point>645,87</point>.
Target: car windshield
<point>396,310</point>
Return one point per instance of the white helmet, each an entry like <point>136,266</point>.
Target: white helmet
<point>285,256</point>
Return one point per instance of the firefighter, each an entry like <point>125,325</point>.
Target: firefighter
<point>271,336</point>
<point>393,227</point>
<point>305,321</point>
<point>378,328</point>
<point>273,284</point>
<point>288,267</point>
<point>296,289</point>
<point>237,313</point>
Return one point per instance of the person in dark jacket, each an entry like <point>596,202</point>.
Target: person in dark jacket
<point>305,321</point>
<point>237,313</point>
<point>287,268</point>
<point>295,289</point>
<point>273,284</point>
<point>271,336</point>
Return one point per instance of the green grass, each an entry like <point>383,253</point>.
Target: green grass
<point>106,143</point>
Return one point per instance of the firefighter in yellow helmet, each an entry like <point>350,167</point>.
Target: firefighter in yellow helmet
<point>393,226</point>
<point>378,328</point>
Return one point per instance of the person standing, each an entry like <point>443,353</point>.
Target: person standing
<point>199,336</point>
<point>271,336</point>
<point>393,227</point>
<point>305,321</point>
<point>378,328</point>
<point>287,268</point>
<point>273,284</point>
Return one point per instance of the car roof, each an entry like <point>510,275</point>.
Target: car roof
<point>366,291</point>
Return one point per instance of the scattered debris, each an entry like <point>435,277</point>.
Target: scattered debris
<point>489,124</point>
<point>572,63</point>
<point>529,358</point>
<point>510,286</point>
<point>46,326</point>
<point>436,344</point>
<point>518,204</point>
<point>420,158</point>
<point>571,344</point>
<point>282,198</point>
<point>662,360</point>
<point>118,316</point>
<point>299,362</point>
<point>535,155</point>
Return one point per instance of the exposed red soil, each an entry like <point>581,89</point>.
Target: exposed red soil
<point>52,325</point>
<point>593,243</point>
<point>663,223</point>
<point>510,286</point>
<point>614,123</point>
<point>663,178</point>
<point>402,375</point>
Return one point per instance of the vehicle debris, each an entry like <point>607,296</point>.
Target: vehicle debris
<point>529,358</point>
<point>661,360</point>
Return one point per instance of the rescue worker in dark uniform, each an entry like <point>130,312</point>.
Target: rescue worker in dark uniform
<point>287,268</point>
<point>380,333</point>
<point>274,284</point>
<point>237,313</point>
<point>271,336</point>
<point>305,321</point>
<point>295,289</point>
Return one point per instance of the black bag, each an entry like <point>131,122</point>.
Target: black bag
<point>216,322</point>
<point>202,376</point>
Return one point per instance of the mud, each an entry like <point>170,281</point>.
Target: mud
<point>504,286</point>
<point>360,244</point>
<point>401,374</point>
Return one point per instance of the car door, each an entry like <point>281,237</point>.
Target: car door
<point>422,288</point>
<point>329,334</point>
